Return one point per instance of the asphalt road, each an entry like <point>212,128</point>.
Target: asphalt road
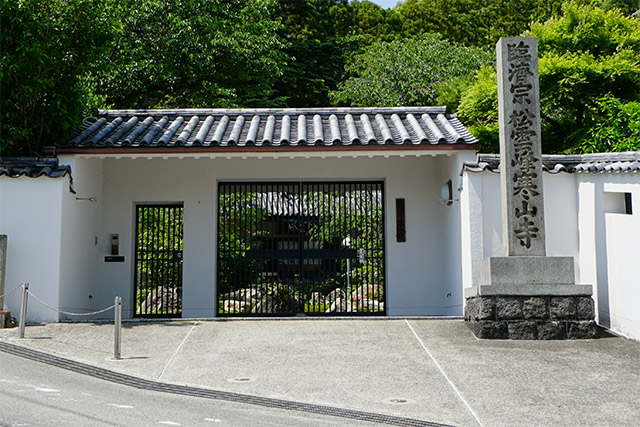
<point>35,394</point>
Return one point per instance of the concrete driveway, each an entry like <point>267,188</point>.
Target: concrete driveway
<point>427,369</point>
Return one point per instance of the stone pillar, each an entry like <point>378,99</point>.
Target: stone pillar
<point>521,173</point>
<point>525,294</point>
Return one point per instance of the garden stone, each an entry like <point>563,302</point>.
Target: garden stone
<point>279,299</point>
<point>366,304</point>
<point>160,299</point>
<point>342,305</point>
<point>368,291</point>
<point>234,306</point>
<point>335,294</point>
<point>246,294</point>
<point>317,298</point>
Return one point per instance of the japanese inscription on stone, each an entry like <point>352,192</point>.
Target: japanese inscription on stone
<point>520,148</point>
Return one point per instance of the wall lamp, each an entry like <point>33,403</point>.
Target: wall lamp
<point>446,193</point>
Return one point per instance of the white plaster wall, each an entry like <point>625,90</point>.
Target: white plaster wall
<point>418,273</point>
<point>451,295</point>
<point>31,216</point>
<point>609,248</point>
<point>561,213</point>
<point>79,285</point>
<point>492,215</point>
<point>471,227</point>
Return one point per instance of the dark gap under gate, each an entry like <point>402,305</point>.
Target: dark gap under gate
<point>312,248</point>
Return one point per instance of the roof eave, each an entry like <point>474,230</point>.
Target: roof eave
<point>265,149</point>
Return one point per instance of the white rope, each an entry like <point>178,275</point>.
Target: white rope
<point>67,312</point>
<point>2,296</point>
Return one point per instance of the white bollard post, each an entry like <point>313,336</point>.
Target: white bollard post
<point>117,320</point>
<point>23,312</point>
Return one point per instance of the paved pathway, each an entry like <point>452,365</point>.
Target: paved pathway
<point>433,370</point>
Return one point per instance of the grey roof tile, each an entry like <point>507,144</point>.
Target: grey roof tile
<point>625,162</point>
<point>15,167</point>
<point>327,127</point>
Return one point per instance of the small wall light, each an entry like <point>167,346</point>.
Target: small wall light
<point>446,193</point>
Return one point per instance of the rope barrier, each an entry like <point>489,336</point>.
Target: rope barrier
<point>2,296</point>
<point>68,312</point>
<point>117,315</point>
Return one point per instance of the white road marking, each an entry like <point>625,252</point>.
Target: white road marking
<point>443,374</point>
<point>47,390</point>
<point>213,420</point>
<point>115,405</point>
<point>177,350</point>
<point>169,423</point>
<point>87,394</point>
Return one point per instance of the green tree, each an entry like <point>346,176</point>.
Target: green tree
<point>48,51</point>
<point>323,34</point>
<point>373,23</point>
<point>478,109</point>
<point>314,69</point>
<point>474,22</point>
<point>318,37</point>
<point>583,55</point>
<point>406,72</point>
<point>195,53</point>
<point>619,129</point>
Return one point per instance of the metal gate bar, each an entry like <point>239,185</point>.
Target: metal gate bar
<point>158,261</point>
<point>292,248</point>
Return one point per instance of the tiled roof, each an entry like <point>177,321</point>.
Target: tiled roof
<point>32,167</point>
<point>242,128</point>
<point>626,162</point>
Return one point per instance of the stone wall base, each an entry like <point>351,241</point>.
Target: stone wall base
<point>531,317</point>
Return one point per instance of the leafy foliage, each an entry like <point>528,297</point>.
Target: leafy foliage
<point>60,60</point>
<point>619,129</point>
<point>193,53</point>
<point>479,109</point>
<point>474,22</point>
<point>48,50</point>
<point>405,72</point>
<point>323,34</point>
<point>583,55</point>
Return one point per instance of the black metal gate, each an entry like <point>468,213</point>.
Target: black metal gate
<point>158,277</point>
<point>292,248</point>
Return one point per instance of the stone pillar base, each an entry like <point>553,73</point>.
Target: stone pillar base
<point>527,317</point>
